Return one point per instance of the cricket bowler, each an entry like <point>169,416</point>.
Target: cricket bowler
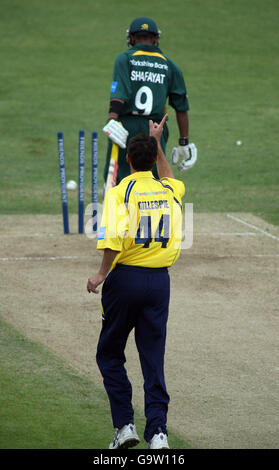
<point>140,236</point>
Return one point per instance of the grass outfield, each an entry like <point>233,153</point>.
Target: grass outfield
<point>45,404</point>
<point>56,70</point>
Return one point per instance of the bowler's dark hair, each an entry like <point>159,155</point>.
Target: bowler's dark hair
<point>142,150</point>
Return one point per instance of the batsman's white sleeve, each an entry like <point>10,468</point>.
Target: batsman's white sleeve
<point>116,132</point>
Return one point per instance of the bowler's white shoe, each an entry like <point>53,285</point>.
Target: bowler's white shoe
<point>159,441</point>
<point>125,437</point>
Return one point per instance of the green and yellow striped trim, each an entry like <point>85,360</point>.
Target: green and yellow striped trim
<point>153,54</point>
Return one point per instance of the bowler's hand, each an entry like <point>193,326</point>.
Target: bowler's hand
<point>94,282</point>
<point>155,130</point>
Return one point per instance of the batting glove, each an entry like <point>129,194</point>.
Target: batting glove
<point>188,153</point>
<point>116,132</point>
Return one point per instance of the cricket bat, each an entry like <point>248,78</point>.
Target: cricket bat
<point>113,167</point>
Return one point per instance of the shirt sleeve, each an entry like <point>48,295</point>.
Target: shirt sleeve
<point>178,98</point>
<point>176,186</point>
<point>114,222</point>
<point>121,85</point>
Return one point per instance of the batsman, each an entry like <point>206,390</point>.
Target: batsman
<point>144,79</point>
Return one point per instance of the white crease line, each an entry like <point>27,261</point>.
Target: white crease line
<point>250,256</point>
<point>31,235</point>
<point>59,258</point>
<point>27,235</point>
<point>237,255</point>
<point>253,226</point>
<point>245,234</point>
<point>42,258</point>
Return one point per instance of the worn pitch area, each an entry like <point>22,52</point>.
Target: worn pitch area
<point>222,359</point>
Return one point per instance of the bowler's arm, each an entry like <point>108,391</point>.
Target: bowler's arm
<point>163,167</point>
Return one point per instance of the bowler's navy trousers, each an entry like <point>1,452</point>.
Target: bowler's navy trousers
<point>135,297</point>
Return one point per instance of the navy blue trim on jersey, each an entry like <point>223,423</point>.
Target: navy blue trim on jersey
<point>128,192</point>
<point>165,185</point>
<point>169,187</point>
<point>176,200</point>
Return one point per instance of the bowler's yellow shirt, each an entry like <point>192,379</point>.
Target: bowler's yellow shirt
<point>142,219</point>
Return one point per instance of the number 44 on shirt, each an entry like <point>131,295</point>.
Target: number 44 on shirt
<point>144,232</point>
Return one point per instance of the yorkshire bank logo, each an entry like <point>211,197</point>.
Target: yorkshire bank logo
<point>144,26</point>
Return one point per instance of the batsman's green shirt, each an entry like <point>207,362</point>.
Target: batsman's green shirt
<point>145,78</point>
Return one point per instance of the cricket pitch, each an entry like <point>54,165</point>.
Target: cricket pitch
<point>222,356</point>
